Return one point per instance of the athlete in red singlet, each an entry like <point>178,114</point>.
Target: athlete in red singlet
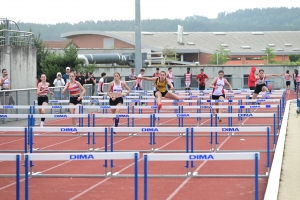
<point>74,88</point>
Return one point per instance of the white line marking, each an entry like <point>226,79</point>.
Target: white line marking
<point>202,164</point>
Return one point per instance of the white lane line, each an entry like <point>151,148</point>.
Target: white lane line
<point>197,169</point>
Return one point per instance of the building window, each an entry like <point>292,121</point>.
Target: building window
<point>108,43</point>
<point>246,76</point>
<point>234,58</point>
<point>254,58</point>
<point>229,79</point>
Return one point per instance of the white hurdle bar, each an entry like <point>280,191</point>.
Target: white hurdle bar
<point>69,130</point>
<point>80,157</point>
<point>60,116</point>
<point>16,158</point>
<point>134,131</point>
<point>217,130</point>
<point>126,116</point>
<point>181,116</point>
<point>201,157</point>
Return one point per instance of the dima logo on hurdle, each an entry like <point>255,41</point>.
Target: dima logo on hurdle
<point>3,116</point>
<point>149,129</point>
<point>201,157</point>
<point>56,106</point>
<point>60,116</point>
<point>183,115</point>
<point>245,115</point>
<point>124,116</point>
<point>82,157</point>
<point>68,129</point>
<point>7,106</point>
<point>105,107</point>
<point>230,129</point>
<point>205,106</point>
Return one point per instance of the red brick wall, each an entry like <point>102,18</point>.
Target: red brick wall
<point>204,58</point>
<point>96,41</point>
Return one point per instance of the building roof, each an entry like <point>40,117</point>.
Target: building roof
<point>239,43</point>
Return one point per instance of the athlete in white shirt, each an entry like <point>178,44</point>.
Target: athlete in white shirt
<point>139,83</point>
<point>170,76</point>
<point>218,92</point>
<point>101,84</point>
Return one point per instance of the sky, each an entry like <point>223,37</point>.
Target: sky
<point>74,11</point>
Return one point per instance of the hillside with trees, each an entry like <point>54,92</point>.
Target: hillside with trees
<point>265,19</point>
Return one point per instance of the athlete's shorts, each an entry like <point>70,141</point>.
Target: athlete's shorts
<point>162,93</point>
<point>216,97</point>
<point>73,100</point>
<point>116,101</point>
<point>287,83</point>
<point>187,84</point>
<point>258,88</point>
<point>42,99</point>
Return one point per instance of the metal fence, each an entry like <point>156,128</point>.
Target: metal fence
<point>16,38</point>
<point>28,96</point>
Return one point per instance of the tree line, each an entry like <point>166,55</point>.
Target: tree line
<point>257,19</point>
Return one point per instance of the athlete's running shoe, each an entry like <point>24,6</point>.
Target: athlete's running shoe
<point>220,119</point>
<point>159,106</point>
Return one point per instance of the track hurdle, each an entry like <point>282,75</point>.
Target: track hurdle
<point>80,157</point>
<point>217,130</point>
<point>126,116</point>
<point>80,111</point>
<point>201,157</point>
<point>105,108</point>
<point>68,130</point>
<point>153,108</point>
<point>249,115</point>
<point>17,158</point>
<point>181,131</point>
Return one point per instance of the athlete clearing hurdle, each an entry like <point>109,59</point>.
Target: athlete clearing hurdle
<point>261,84</point>
<point>114,91</point>
<point>218,92</point>
<point>160,89</point>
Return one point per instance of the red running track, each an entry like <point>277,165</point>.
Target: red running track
<point>122,188</point>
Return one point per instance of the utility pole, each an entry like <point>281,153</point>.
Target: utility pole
<point>138,38</point>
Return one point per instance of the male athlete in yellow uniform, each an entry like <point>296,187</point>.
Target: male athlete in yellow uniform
<point>160,91</point>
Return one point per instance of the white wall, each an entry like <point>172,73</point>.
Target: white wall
<point>20,63</point>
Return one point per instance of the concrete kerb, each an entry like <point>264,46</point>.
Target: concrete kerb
<point>275,173</point>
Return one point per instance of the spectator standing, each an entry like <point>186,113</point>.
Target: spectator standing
<point>170,76</point>
<point>132,75</point>
<point>91,80</point>
<point>101,83</point>
<point>188,79</point>
<point>252,78</point>
<point>66,75</point>
<point>287,78</point>
<point>202,79</point>
<point>58,82</point>
<point>5,84</point>
<point>294,76</point>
